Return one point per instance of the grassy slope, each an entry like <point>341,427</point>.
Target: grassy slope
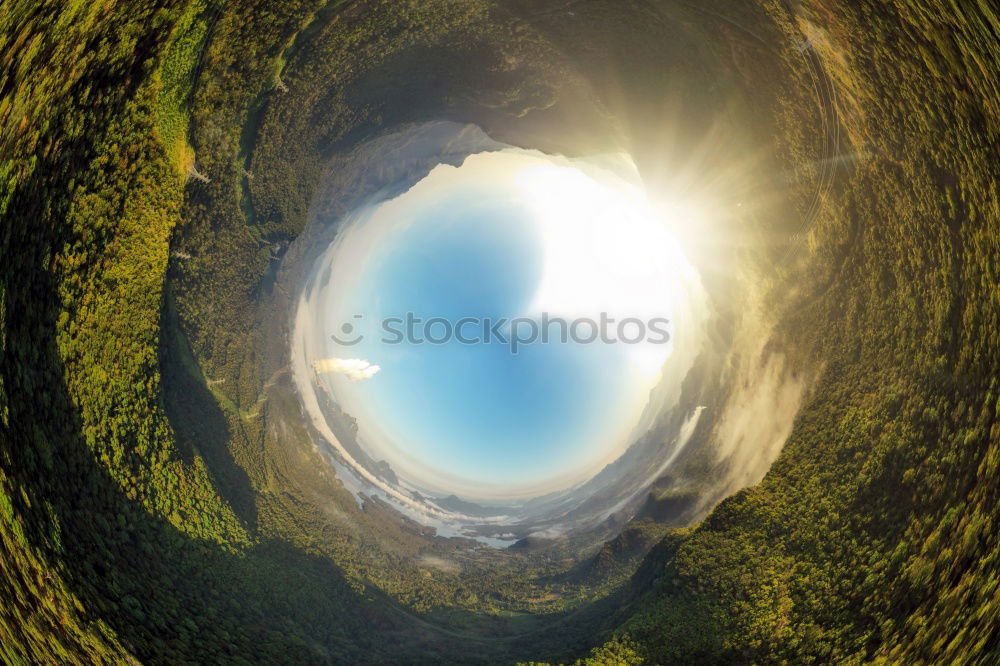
<point>114,541</point>
<point>870,538</point>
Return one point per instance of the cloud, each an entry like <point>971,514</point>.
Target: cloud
<point>758,415</point>
<point>355,369</point>
<point>440,563</point>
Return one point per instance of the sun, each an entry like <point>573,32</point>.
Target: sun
<point>608,252</point>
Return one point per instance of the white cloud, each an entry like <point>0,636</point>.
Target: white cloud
<point>355,369</point>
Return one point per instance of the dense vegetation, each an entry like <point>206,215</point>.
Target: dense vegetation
<point>873,536</point>
<point>156,159</point>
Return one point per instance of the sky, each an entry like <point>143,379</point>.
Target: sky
<point>505,234</point>
<point>479,411</point>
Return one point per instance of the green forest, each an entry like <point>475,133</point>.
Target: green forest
<point>158,158</point>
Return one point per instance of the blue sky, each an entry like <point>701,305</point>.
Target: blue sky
<point>479,411</point>
<point>506,234</point>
